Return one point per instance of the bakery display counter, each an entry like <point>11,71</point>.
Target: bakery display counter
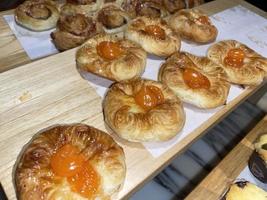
<point>51,91</point>
<point>214,186</point>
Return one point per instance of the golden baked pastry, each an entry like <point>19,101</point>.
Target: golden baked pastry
<point>37,15</point>
<point>154,35</point>
<point>261,147</point>
<point>118,2</point>
<point>86,7</point>
<point>196,80</point>
<point>243,190</point>
<point>73,30</point>
<point>143,110</point>
<point>113,18</point>
<point>149,8</point>
<point>193,25</point>
<point>241,64</point>
<point>111,57</point>
<point>74,162</point>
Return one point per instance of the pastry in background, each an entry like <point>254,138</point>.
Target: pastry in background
<point>86,7</point>
<point>173,6</point>
<point>149,8</point>
<point>242,65</point>
<point>243,190</point>
<point>111,57</point>
<point>154,35</point>
<point>113,18</point>
<point>143,111</point>
<point>193,25</point>
<point>118,2</point>
<point>73,30</point>
<point>258,160</point>
<point>70,162</point>
<point>196,80</point>
<point>37,15</point>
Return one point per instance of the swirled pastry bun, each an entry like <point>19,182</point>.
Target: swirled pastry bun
<point>70,162</point>
<point>154,35</point>
<point>193,25</point>
<point>73,30</point>
<point>149,8</point>
<point>86,7</point>
<point>196,80</point>
<point>37,15</point>
<point>143,110</point>
<point>113,18</point>
<point>111,57</point>
<point>242,65</point>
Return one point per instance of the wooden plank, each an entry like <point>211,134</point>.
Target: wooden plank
<point>217,182</point>
<point>51,91</point>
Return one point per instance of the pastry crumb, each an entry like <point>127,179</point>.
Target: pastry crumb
<point>25,96</point>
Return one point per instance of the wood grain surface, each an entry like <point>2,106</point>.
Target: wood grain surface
<point>218,181</point>
<point>51,91</point>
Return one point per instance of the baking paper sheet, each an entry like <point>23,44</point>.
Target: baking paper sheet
<point>248,176</point>
<point>235,23</point>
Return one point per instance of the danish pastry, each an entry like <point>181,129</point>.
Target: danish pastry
<point>154,35</point>
<point>86,7</point>
<point>243,190</point>
<point>241,64</point>
<point>70,162</point>
<point>143,110</point>
<point>196,80</point>
<point>37,15</point>
<point>74,29</point>
<point>113,18</point>
<point>193,25</point>
<point>111,57</point>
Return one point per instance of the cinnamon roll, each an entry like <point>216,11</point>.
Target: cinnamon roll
<point>196,80</point>
<point>193,25</point>
<point>153,9</point>
<point>113,18</point>
<point>87,7</point>
<point>37,15</point>
<point>70,162</point>
<point>73,30</point>
<point>143,110</point>
<point>154,35</point>
<point>242,64</point>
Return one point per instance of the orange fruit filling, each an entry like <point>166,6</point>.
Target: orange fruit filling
<point>155,31</point>
<point>69,162</point>
<point>109,50</point>
<point>235,57</point>
<point>86,181</point>
<point>148,97</point>
<point>203,20</point>
<point>195,79</point>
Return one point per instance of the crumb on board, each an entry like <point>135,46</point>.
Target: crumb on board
<point>25,96</point>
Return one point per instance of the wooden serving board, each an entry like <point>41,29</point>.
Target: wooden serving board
<point>51,91</point>
<point>218,181</point>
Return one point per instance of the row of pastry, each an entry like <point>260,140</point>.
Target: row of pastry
<point>76,20</point>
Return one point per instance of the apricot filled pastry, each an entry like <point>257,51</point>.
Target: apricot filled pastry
<point>74,162</point>
<point>242,65</point>
<point>73,30</point>
<point>149,8</point>
<point>111,57</point>
<point>37,15</point>
<point>113,18</point>
<point>193,25</point>
<point>154,35</point>
<point>87,7</point>
<point>143,110</point>
<point>196,80</point>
